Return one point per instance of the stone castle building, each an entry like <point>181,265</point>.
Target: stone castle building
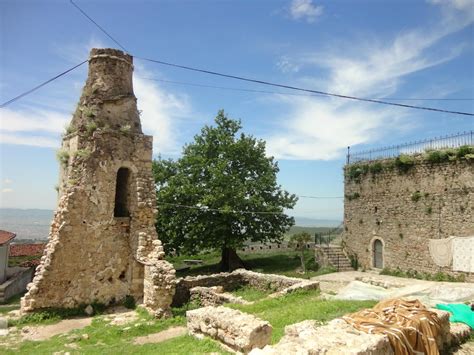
<point>392,216</point>
<point>103,245</point>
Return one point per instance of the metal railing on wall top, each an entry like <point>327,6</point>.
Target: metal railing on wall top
<point>449,141</point>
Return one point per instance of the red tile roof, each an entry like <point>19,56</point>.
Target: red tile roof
<point>26,249</point>
<point>5,237</point>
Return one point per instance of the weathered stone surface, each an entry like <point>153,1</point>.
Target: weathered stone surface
<point>382,206</point>
<point>339,337</point>
<point>103,244</point>
<point>240,331</point>
<point>335,338</point>
<point>214,296</point>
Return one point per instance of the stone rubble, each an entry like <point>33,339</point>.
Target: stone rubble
<point>237,330</point>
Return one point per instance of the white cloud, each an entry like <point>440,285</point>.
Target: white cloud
<point>322,128</point>
<point>160,113</point>
<point>287,66</point>
<point>7,190</point>
<point>457,4</point>
<point>33,120</point>
<point>34,127</point>
<point>305,10</point>
<point>7,181</point>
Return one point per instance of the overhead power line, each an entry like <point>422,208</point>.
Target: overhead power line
<point>220,210</point>
<point>98,26</point>
<point>268,83</point>
<point>230,76</point>
<point>40,85</point>
<point>292,93</point>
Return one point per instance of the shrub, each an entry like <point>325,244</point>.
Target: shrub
<point>69,129</point>
<point>415,197</point>
<point>354,261</point>
<point>404,162</point>
<point>82,153</point>
<point>88,112</point>
<point>91,127</point>
<point>63,157</point>
<point>464,150</point>
<point>376,168</point>
<point>429,210</point>
<point>129,302</point>
<point>436,156</point>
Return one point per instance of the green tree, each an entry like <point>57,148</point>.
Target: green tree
<point>221,193</point>
<point>298,242</point>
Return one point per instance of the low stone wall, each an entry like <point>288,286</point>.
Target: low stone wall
<point>238,278</point>
<point>271,248</point>
<point>237,330</point>
<point>16,284</point>
<point>182,295</point>
<point>214,296</point>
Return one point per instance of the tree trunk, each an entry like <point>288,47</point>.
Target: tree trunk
<point>230,261</point>
<point>303,266</point>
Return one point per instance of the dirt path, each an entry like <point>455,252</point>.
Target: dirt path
<point>161,336</point>
<point>44,332</point>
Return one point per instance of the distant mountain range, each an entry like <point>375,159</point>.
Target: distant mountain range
<point>34,223</point>
<point>311,222</point>
<point>26,223</point>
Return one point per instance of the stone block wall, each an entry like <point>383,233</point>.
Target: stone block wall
<point>405,209</point>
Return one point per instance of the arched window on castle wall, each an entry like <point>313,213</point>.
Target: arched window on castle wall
<point>122,193</point>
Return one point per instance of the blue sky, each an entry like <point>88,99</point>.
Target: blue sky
<point>384,49</point>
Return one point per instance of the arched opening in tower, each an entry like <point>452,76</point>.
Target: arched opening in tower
<point>122,193</point>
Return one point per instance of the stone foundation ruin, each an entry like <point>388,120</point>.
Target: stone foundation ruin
<point>103,244</point>
<point>212,289</point>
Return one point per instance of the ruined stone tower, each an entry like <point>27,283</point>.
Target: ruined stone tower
<point>103,244</point>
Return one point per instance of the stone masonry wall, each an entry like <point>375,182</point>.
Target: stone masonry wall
<point>93,253</point>
<point>382,206</point>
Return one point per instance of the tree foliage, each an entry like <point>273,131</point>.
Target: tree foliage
<point>208,198</point>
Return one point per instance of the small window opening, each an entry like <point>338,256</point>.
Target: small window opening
<point>122,193</point>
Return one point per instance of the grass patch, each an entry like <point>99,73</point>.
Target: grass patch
<point>299,306</point>
<point>54,315</point>
<point>283,263</point>
<point>103,338</point>
<point>251,294</point>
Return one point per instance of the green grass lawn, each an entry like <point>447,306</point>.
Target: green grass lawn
<point>251,294</point>
<point>283,263</point>
<point>103,338</point>
<point>299,306</point>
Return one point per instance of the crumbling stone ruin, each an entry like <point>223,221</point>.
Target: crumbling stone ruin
<point>103,244</point>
